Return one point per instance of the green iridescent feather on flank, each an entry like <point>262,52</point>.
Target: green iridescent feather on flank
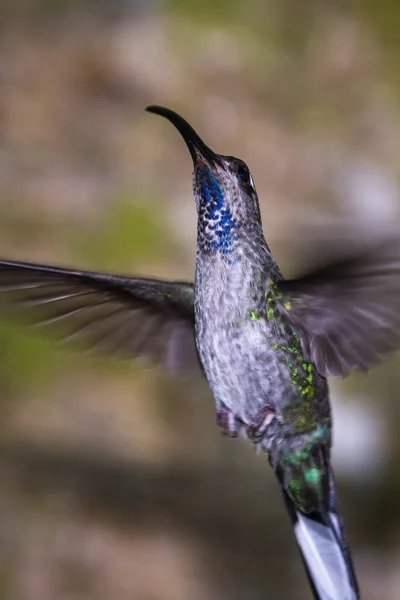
<point>255,316</point>
<point>302,372</point>
<point>302,415</point>
<point>304,471</point>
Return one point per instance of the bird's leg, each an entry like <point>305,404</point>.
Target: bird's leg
<point>257,429</point>
<point>227,421</point>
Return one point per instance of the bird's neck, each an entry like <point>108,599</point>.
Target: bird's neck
<point>241,268</point>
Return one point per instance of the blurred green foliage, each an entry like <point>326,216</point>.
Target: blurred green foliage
<point>383,17</point>
<point>27,360</point>
<point>132,231</point>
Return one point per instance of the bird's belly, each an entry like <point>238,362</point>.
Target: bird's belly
<point>242,369</point>
<point>250,375</point>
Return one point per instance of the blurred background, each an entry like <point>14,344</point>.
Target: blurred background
<point>114,481</point>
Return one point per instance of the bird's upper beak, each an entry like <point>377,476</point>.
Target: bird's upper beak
<point>197,147</point>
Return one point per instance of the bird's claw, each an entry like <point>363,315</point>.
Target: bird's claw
<point>258,428</point>
<point>228,422</point>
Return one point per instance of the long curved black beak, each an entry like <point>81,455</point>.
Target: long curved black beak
<point>197,147</point>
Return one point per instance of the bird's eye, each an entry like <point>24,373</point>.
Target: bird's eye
<point>244,173</point>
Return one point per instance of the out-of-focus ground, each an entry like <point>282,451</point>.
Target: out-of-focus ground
<point>114,481</point>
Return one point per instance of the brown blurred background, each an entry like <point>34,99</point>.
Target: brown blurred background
<point>114,481</point>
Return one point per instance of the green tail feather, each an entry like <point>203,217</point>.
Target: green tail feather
<point>304,474</point>
<point>307,483</point>
<point>310,498</point>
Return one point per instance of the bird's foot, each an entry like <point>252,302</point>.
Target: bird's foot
<point>256,430</point>
<point>228,423</point>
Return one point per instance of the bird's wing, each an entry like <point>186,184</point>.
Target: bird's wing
<point>347,312</point>
<point>110,314</point>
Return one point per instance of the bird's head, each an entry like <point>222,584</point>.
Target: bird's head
<point>224,191</point>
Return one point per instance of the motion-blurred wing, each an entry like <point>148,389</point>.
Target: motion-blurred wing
<point>347,312</point>
<point>103,313</point>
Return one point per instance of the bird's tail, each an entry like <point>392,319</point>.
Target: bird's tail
<point>324,549</point>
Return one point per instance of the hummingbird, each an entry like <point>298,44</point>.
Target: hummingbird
<point>265,344</point>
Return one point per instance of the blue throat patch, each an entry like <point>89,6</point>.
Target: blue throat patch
<point>215,213</point>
